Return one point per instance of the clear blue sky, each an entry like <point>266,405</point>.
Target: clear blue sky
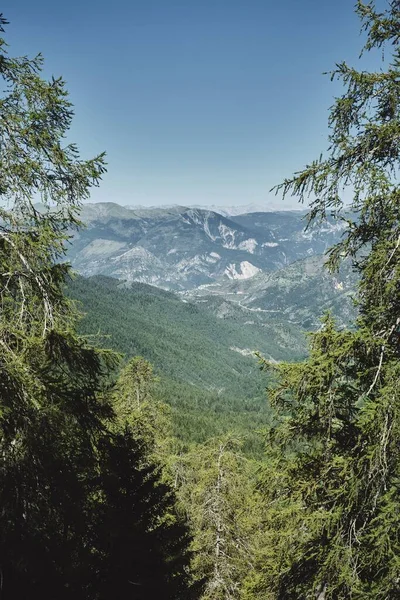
<point>194,101</point>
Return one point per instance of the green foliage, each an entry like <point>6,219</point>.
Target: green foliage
<point>51,403</point>
<point>134,383</point>
<point>140,543</point>
<point>148,418</point>
<point>140,539</point>
<point>333,458</point>
<point>215,486</point>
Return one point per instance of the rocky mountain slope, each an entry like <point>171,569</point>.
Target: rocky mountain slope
<point>180,248</point>
<point>298,294</point>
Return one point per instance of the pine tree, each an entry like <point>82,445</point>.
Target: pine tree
<point>141,544</point>
<point>141,541</point>
<point>335,454</point>
<point>136,404</point>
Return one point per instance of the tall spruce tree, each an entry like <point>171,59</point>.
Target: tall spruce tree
<point>136,404</point>
<point>141,544</point>
<point>141,541</point>
<point>334,458</point>
<point>83,512</point>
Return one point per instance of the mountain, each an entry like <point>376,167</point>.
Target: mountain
<point>289,230</point>
<point>222,209</point>
<point>180,248</point>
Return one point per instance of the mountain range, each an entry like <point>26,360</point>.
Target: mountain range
<point>257,268</point>
<point>180,248</point>
<point>298,294</point>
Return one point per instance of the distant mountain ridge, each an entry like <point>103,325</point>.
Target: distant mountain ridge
<point>228,211</point>
<point>180,248</point>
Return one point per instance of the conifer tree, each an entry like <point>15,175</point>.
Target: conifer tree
<point>335,453</point>
<point>136,404</point>
<point>50,380</point>
<point>141,540</point>
<point>215,488</point>
<point>83,510</point>
<point>141,544</point>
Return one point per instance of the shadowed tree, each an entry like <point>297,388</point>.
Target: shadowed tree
<point>142,543</point>
<point>50,380</point>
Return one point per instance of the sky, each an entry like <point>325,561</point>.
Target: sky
<point>209,102</point>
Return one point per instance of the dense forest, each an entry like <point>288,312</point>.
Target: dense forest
<point>114,480</point>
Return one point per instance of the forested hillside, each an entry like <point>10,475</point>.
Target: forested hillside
<point>207,369</point>
<point>204,353</point>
